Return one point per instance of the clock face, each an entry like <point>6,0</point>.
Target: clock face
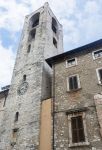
<point>22,88</point>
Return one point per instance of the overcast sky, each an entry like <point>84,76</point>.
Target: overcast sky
<point>81,20</point>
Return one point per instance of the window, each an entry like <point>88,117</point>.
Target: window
<point>73,82</point>
<point>99,75</point>
<point>33,32</point>
<point>16,116</point>
<point>54,25</point>
<point>32,35</point>
<point>97,54</point>
<point>71,62</point>
<point>77,129</point>
<point>29,48</point>
<point>55,42</point>
<point>24,78</point>
<point>34,21</point>
<point>14,137</point>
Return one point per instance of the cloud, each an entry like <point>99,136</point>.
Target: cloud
<point>12,15</point>
<point>81,20</point>
<point>7,58</point>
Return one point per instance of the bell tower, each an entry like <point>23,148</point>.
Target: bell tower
<point>41,38</point>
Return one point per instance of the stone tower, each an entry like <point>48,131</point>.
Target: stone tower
<point>31,82</point>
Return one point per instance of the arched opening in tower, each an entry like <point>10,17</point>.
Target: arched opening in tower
<point>54,25</point>
<point>35,20</point>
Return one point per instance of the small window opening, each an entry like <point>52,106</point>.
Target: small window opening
<point>32,34</point>
<point>77,129</point>
<point>24,78</point>
<point>14,136</point>
<point>98,54</point>
<point>100,75</point>
<point>71,62</point>
<point>54,29</point>
<point>73,83</point>
<point>55,42</point>
<point>35,23</point>
<point>16,116</point>
<point>29,48</point>
<point>35,20</point>
<point>54,25</point>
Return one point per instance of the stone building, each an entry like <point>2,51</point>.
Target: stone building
<point>77,98</point>
<point>55,98</point>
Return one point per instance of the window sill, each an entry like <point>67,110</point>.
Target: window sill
<point>79,144</point>
<point>71,66</point>
<point>96,58</point>
<point>75,90</point>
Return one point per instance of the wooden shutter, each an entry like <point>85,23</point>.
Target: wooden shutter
<point>77,129</point>
<point>73,83</point>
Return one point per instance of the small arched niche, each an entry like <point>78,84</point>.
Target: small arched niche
<point>54,25</point>
<point>34,21</point>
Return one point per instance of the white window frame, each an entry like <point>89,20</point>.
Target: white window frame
<point>67,66</point>
<point>78,79</point>
<point>98,76</point>
<point>94,55</point>
<point>71,144</point>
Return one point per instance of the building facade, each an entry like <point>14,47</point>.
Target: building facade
<point>31,81</point>
<point>55,98</point>
<point>77,98</point>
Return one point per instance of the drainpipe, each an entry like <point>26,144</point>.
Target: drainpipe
<point>53,100</point>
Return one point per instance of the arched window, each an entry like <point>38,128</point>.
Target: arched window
<point>54,25</point>
<point>16,116</point>
<point>34,21</point>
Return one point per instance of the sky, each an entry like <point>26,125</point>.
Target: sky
<point>81,20</point>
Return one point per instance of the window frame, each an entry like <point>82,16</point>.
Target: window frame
<point>68,66</point>
<point>98,76</point>
<point>71,144</point>
<point>94,55</point>
<point>79,84</point>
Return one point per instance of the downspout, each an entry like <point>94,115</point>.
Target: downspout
<point>53,101</point>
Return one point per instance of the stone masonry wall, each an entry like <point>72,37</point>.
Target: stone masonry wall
<point>83,98</point>
<point>24,134</point>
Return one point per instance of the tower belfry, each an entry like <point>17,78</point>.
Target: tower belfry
<point>31,81</point>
